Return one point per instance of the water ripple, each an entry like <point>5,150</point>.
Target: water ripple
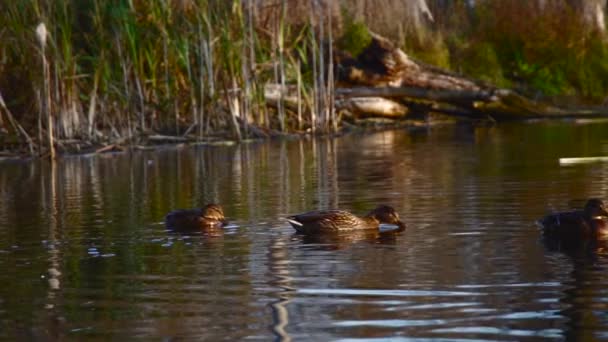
<point>470,266</point>
<point>397,293</point>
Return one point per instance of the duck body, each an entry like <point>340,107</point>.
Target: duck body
<point>209,217</point>
<point>589,223</point>
<point>332,221</point>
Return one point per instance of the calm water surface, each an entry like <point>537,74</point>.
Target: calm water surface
<point>84,252</point>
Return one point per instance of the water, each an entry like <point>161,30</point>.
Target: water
<point>85,253</point>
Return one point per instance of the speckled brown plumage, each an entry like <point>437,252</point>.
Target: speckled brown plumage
<point>320,221</point>
<point>591,222</point>
<point>210,216</point>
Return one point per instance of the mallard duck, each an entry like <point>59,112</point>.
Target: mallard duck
<point>591,222</point>
<point>339,220</point>
<point>210,216</point>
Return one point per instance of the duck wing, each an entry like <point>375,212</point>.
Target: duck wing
<point>317,215</point>
<point>183,219</point>
<point>323,221</point>
<point>564,223</point>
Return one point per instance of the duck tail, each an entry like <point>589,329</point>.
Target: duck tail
<point>294,223</point>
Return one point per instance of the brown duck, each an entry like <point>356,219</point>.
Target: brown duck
<point>324,221</point>
<point>210,216</point>
<point>589,223</point>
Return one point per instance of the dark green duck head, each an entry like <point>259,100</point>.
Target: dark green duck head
<point>595,209</point>
<point>386,214</point>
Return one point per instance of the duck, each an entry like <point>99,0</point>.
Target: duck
<point>589,223</point>
<point>328,221</point>
<point>207,217</point>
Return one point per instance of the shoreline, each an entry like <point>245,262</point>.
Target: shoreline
<point>156,141</point>
<point>152,142</point>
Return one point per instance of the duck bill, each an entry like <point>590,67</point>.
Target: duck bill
<point>400,226</point>
<point>603,214</point>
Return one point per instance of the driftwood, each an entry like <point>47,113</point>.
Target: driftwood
<point>384,82</point>
<point>274,93</point>
<point>373,107</point>
<point>383,70</point>
<point>581,160</point>
<point>167,138</point>
<point>382,64</point>
<point>110,148</point>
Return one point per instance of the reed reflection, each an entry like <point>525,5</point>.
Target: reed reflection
<point>278,263</point>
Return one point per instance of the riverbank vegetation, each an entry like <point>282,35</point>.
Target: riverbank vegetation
<point>76,73</point>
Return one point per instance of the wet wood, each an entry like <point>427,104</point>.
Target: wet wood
<point>275,93</point>
<point>110,148</point>
<point>167,138</point>
<point>372,107</point>
<point>582,160</point>
<point>382,64</point>
<point>383,71</point>
<point>420,93</point>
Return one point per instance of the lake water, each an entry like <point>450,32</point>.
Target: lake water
<point>85,253</point>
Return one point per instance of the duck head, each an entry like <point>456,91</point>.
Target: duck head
<point>595,209</point>
<point>214,212</point>
<point>386,214</point>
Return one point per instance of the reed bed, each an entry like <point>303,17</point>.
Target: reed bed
<point>120,70</point>
<point>116,70</point>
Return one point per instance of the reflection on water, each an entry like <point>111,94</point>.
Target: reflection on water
<point>86,254</point>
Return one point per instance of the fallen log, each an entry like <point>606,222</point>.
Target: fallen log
<point>275,93</point>
<point>420,93</point>
<point>382,64</point>
<point>167,138</point>
<point>372,107</point>
<point>512,106</point>
<point>383,70</point>
<point>384,82</point>
<point>581,160</point>
<point>110,148</point>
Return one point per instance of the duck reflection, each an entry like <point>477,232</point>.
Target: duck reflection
<point>577,250</point>
<point>584,299</point>
<point>342,240</point>
<point>211,234</point>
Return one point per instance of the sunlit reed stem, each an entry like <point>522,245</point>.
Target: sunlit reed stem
<point>245,69</point>
<point>209,59</point>
<point>281,42</point>
<point>330,77</point>
<point>41,34</point>
<point>299,94</point>
<point>321,74</point>
<point>201,81</point>
<point>92,105</point>
<point>315,91</point>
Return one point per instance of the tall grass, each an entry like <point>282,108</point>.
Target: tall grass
<point>119,70</point>
<point>554,51</point>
